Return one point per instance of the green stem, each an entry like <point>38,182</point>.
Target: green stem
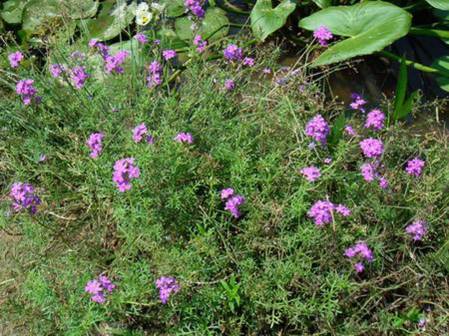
<point>444,34</point>
<point>232,8</point>
<point>417,66</point>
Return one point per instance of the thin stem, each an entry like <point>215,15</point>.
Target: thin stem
<point>444,34</point>
<point>232,8</point>
<point>417,66</point>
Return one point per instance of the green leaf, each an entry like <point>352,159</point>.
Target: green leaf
<point>441,14</point>
<point>440,4</point>
<point>337,130</point>
<point>407,107</point>
<point>323,3</point>
<point>40,15</point>
<point>214,26</point>
<point>370,26</point>
<point>12,11</point>
<point>114,16</point>
<point>80,9</point>
<point>174,8</point>
<point>169,39</point>
<point>442,64</point>
<point>265,19</point>
<point>401,89</point>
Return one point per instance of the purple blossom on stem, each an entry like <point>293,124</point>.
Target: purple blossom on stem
<point>184,137</point>
<point>415,167</point>
<point>79,76</point>
<point>113,63</point>
<point>233,53</point>
<point>195,7</point>
<point>124,172</point>
<point>102,48</point>
<point>139,132</point>
<point>323,35</point>
<point>27,91</point>
<point>248,61</point>
<point>417,229</point>
<point>349,130</point>
<point>24,197</point>
<point>155,74</point>
<point>375,119</point>
<point>233,203</point>
<point>95,144</point>
<point>368,171</point>
<point>99,288</point>
<point>357,102</point>
<point>141,38</point>
<point>200,44</point>
<point>372,148</point>
<point>318,129</point>
<point>311,173</point>
<point>56,70</point>
<point>15,59</point>
<point>322,212</point>
<point>383,183</point>
<point>226,193</point>
<point>362,252</point>
<point>229,84</point>
<point>169,54</point>
<point>167,286</point>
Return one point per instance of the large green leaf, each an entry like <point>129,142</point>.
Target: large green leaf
<point>370,26</point>
<point>265,19</point>
<point>440,4</point>
<point>442,64</point>
<point>12,11</point>
<point>169,39</point>
<point>80,9</point>
<point>40,15</point>
<point>174,8</point>
<point>114,16</point>
<point>214,26</point>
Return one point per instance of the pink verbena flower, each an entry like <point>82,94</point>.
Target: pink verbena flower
<point>362,252</point>
<point>184,137</point>
<point>233,53</point>
<point>323,35</point>
<point>226,193</point>
<point>200,44</point>
<point>141,38</point>
<point>375,119</point>
<point>357,102</point>
<point>383,183</point>
<point>167,286</point>
<point>113,63</point>
<point>415,167</point>
<point>248,61</point>
<point>155,74</point>
<point>195,7</point>
<point>417,229</point>
<point>372,148</point>
<point>15,59</point>
<point>349,130</point>
<point>95,144</point>
<point>79,76</point>
<point>139,132</point>
<point>368,171</point>
<point>318,129</point>
<point>124,172</point>
<point>169,54</point>
<point>56,70</point>
<point>99,288</point>
<point>233,204</point>
<point>311,173</point>
<point>229,84</point>
<point>25,88</point>
<point>321,212</point>
<point>343,210</point>
<point>102,48</point>
<point>24,197</point>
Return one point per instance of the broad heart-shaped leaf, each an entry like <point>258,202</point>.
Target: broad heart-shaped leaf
<point>169,39</point>
<point>214,26</point>
<point>265,19</point>
<point>80,9</point>
<point>370,26</point>
<point>38,16</point>
<point>323,3</point>
<point>114,16</point>
<point>174,8</point>
<point>12,11</point>
<point>440,4</point>
<point>442,64</point>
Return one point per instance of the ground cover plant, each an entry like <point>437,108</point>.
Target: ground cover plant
<point>223,196</point>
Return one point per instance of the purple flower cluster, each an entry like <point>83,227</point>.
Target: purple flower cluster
<point>24,197</point>
<point>141,38</point>
<point>184,137</point>
<point>195,7</point>
<point>200,44</point>
<point>167,286</point>
<point>357,102</point>
<point>169,54</point>
<point>229,84</point>
<point>233,202</point>
<point>233,53</point>
<point>15,58</point>
<point>27,91</point>
<point>322,212</point>
<point>248,61</point>
<point>56,70</point>
<point>323,35</point>
<point>99,288</point>
<point>318,129</point>
<point>139,132</point>
<point>375,119</point>
<point>415,167</point>
<point>370,174</point>
<point>311,173</point>
<point>349,130</point>
<point>417,229</point>
<point>124,171</point>
<point>113,63</point>
<point>372,148</point>
<point>155,74</point>
<point>362,252</point>
<point>95,144</point>
<point>79,76</point>
<point>102,48</point>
